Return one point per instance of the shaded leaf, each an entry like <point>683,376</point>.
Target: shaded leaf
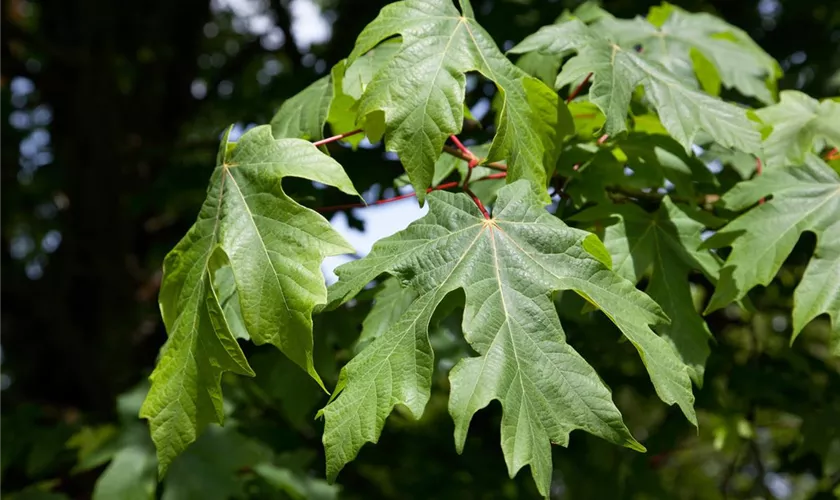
<point>274,248</point>
<point>208,470</point>
<point>805,198</point>
<point>698,47</point>
<point>295,484</point>
<point>664,246</point>
<point>131,475</point>
<point>654,158</point>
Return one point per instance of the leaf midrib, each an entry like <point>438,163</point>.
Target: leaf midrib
<point>262,242</point>
<point>378,367</point>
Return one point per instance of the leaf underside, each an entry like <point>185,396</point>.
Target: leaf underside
<point>273,247</point>
<point>805,198</point>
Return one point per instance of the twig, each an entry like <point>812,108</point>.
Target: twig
<point>500,175</point>
<point>730,472</point>
<point>473,160</point>
<point>477,202</point>
<point>458,154</point>
<point>348,206</point>
<point>577,89</point>
<point>337,137</point>
<point>470,166</point>
<point>762,471</point>
<point>468,155</point>
<point>445,185</point>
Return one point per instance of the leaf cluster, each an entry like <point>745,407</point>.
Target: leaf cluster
<point>640,160</point>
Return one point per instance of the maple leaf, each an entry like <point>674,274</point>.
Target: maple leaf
<point>800,123</point>
<point>273,247</point>
<point>618,70</point>
<point>805,198</point>
<point>421,92</point>
<point>698,46</point>
<point>334,99</point>
<point>664,245</point>
<point>508,267</point>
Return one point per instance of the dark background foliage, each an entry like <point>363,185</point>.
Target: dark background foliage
<point>111,115</point>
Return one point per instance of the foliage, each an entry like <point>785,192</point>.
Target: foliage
<point>677,180</point>
<point>508,264</point>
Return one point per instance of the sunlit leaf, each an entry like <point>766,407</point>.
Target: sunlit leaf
<point>508,266</point>
<point>617,71</point>
<point>421,92</point>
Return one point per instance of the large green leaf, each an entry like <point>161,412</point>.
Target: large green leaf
<point>508,267</point>
<point>273,247</point>
<point>805,198</point>
<point>617,71</point>
<point>690,45</point>
<point>800,124</point>
<point>421,91</point>
<point>664,246</point>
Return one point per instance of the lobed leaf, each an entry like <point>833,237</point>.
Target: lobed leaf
<point>304,115</point>
<point>805,198</point>
<point>698,48</point>
<point>508,266</point>
<point>273,247</point>
<point>665,246</point>
<point>800,124</point>
<point>617,70</point>
<point>421,92</point>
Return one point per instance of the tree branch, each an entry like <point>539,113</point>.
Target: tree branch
<point>458,154</point>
